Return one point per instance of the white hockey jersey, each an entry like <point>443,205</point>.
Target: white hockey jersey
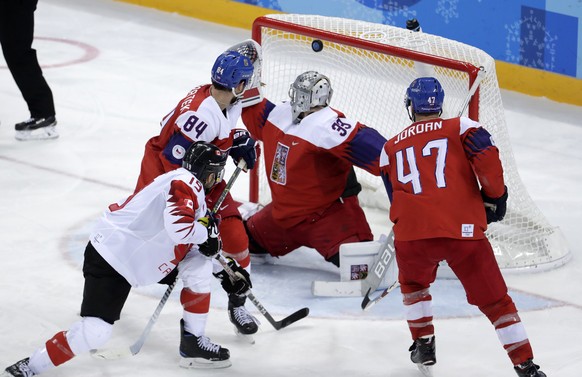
<point>149,233</point>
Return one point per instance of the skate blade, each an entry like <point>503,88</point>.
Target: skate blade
<point>426,370</point>
<point>249,338</point>
<point>44,133</point>
<point>200,363</point>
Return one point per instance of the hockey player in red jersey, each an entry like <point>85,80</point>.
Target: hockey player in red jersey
<point>445,181</point>
<point>163,231</point>
<point>310,150</point>
<point>210,113</point>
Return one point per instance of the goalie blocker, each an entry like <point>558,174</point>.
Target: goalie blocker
<point>363,266</point>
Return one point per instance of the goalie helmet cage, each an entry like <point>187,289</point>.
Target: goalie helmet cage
<point>370,66</point>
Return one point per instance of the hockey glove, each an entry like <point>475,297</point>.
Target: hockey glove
<point>243,146</point>
<point>241,282</point>
<point>213,244</point>
<point>495,208</point>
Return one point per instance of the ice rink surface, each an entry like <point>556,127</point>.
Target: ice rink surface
<point>115,71</point>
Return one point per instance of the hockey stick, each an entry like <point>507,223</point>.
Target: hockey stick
<point>278,325</point>
<point>368,302</point>
<point>384,261</point>
<point>473,89</point>
<point>302,313</point>
<point>117,353</point>
<point>380,266</point>
<point>240,166</point>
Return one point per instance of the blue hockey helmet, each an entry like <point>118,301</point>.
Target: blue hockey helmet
<point>426,95</point>
<point>230,68</point>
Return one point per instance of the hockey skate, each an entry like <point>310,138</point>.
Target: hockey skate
<point>37,129</point>
<point>528,369</point>
<point>423,354</point>
<point>198,352</point>
<point>20,369</point>
<point>244,323</point>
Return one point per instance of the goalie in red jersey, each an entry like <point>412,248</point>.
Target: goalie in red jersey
<point>310,151</point>
<point>445,181</point>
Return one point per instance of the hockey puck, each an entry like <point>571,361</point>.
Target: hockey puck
<point>317,45</point>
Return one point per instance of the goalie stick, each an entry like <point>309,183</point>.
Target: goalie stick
<point>278,325</point>
<point>384,261</point>
<point>132,350</point>
<point>368,302</point>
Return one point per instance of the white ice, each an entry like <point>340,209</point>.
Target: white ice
<point>108,107</point>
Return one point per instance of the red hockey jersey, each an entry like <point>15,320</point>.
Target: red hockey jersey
<point>196,117</point>
<point>307,164</point>
<point>432,170</point>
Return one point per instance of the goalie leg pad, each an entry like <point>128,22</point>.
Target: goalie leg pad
<point>357,262</point>
<point>363,266</point>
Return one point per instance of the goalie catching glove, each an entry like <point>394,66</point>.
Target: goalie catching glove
<point>241,282</point>
<point>495,208</point>
<point>213,244</point>
<point>252,50</point>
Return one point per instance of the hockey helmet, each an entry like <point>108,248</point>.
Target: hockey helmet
<point>230,68</point>
<point>203,159</point>
<point>425,95</point>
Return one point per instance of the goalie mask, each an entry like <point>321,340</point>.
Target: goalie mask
<point>310,89</point>
<point>426,96</point>
<point>203,159</point>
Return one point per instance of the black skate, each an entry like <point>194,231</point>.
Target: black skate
<point>528,369</point>
<point>423,354</point>
<point>20,369</point>
<point>37,129</point>
<point>199,352</point>
<point>244,323</point>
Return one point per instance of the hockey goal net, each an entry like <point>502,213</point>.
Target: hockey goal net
<point>370,66</point>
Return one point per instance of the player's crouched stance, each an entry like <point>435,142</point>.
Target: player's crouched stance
<point>162,231</point>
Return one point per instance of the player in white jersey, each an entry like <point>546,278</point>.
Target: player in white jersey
<point>310,150</point>
<point>163,231</point>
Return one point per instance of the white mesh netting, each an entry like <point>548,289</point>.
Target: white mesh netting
<point>369,83</point>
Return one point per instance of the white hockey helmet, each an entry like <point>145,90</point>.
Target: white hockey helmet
<point>310,89</point>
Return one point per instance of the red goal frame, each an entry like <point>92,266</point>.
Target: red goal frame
<point>266,22</point>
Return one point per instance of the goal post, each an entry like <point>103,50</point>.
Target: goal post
<point>370,66</point>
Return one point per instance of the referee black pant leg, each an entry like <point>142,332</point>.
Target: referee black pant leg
<point>16,35</point>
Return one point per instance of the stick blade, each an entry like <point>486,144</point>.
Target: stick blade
<point>299,314</point>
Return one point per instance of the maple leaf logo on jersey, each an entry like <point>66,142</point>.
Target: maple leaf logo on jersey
<point>182,207</point>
